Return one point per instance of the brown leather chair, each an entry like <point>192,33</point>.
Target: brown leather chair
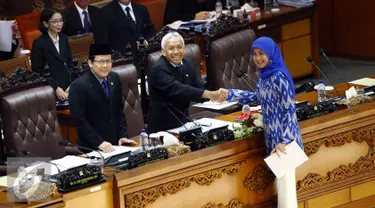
<point>229,54</point>
<point>192,51</point>
<point>133,108</point>
<point>30,123</point>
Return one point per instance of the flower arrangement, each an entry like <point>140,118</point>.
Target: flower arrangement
<point>252,123</point>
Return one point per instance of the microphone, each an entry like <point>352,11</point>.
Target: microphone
<point>67,143</point>
<point>240,74</point>
<point>340,75</point>
<point>25,152</point>
<point>310,59</point>
<point>244,73</point>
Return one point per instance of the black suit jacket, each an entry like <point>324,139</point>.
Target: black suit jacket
<point>96,118</point>
<point>171,90</point>
<point>181,10</point>
<point>118,30</point>
<point>60,64</point>
<point>73,24</point>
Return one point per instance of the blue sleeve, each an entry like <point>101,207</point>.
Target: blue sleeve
<point>243,97</point>
<point>284,95</point>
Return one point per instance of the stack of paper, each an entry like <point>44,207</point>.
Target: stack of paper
<point>206,124</point>
<point>215,105</point>
<point>296,3</point>
<point>116,151</point>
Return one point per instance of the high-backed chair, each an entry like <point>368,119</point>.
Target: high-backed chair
<point>228,55</point>
<point>28,26</point>
<point>29,122</point>
<point>133,108</point>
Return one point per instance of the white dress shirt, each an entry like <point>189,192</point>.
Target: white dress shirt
<point>123,6</point>
<point>80,12</point>
<point>55,42</point>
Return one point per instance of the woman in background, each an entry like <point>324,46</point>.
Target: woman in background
<point>275,93</point>
<point>52,49</point>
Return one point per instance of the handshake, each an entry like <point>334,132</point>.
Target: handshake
<point>220,95</point>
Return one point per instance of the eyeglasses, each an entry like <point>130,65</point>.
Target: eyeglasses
<point>102,62</point>
<point>55,22</point>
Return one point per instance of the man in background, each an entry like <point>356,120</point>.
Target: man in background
<point>81,18</point>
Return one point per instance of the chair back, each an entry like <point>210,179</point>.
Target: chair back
<point>29,122</point>
<point>131,98</point>
<point>28,26</point>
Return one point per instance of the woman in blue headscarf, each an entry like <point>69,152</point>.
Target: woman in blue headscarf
<point>275,93</point>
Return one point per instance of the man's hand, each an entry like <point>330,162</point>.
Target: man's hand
<point>223,94</point>
<point>67,92</point>
<point>61,94</point>
<point>125,141</point>
<point>280,148</point>
<point>202,15</point>
<point>144,42</point>
<point>105,147</point>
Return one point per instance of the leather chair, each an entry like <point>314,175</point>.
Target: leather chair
<point>192,51</point>
<point>130,93</point>
<point>229,54</point>
<point>30,123</point>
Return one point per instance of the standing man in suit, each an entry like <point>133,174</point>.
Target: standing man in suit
<point>184,10</point>
<point>124,23</point>
<point>173,84</point>
<point>81,18</point>
<point>96,104</point>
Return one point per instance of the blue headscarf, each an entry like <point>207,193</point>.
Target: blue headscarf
<point>276,62</point>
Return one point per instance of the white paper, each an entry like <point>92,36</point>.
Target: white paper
<point>286,163</point>
<point>206,124</point>
<point>214,105</point>
<point>116,151</point>
<point>350,93</point>
<point>364,81</point>
<point>7,181</point>
<point>6,36</point>
<point>65,163</point>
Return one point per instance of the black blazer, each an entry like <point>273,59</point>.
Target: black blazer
<point>181,10</point>
<point>73,23</point>
<point>60,64</point>
<point>171,90</point>
<point>119,30</point>
<point>96,118</point>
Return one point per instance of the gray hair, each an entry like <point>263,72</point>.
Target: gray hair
<point>169,36</point>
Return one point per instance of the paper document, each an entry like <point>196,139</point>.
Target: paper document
<point>364,81</point>
<point>286,162</point>
<point>6,36</point>
<point>116,151</point>
<point>206,124</point>
<point>214,105</point>
<point>7,181</point>
<point>65,163</point>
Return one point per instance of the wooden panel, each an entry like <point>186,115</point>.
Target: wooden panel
<point>295,52</point>
<point>156,9</point>
<point>296,29</point>
<point>363,190</point>
<point>326,24</point>
<point>79,47</point>
<point>301,205</point>
<point>354,33</point>
<point>368,202</point>
<point>330,200</point>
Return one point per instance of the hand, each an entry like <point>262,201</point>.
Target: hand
<point>144,42</point>
<point>61,94</point>
<point>126,141</point>
<point>67,92</point>
<point>280,148</point>
<point>105,147</point>
<point>223,94</point>
<point>202,15</point>
<point>15,30</point>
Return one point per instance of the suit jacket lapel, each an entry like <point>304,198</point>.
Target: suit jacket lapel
<point>52,47</point>
<point>77,16</point>
<point>138,18</point>
<point>126,23</point>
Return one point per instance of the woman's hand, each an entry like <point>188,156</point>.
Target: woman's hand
<point>280,148</point>
<point>61,94</point>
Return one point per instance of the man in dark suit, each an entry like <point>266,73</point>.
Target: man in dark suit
<point>96,104</point>
<point>81,18</point>
<point>124,23</point>
<point>173,84</point>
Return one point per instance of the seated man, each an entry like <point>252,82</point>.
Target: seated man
<point>96,104</point>
<point>173,84</point>
<point>81,18</point>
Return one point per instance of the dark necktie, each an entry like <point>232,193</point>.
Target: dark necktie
<point>127,9</point>
<point>86,23</point>
<point>105,87</point>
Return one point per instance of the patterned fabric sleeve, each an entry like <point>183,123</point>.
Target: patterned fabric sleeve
<point>244,97</point>
<point>284,95</point>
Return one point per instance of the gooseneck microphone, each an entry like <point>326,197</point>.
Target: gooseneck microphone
<point>239,74</point>
<point>67,143</point>
<point>340,75</point>
<point>244,73</point>
<point>310,59</point>
<point>25,152</point>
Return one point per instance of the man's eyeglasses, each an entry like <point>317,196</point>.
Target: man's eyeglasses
<point>55,22</point>
<point>102,62</point>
